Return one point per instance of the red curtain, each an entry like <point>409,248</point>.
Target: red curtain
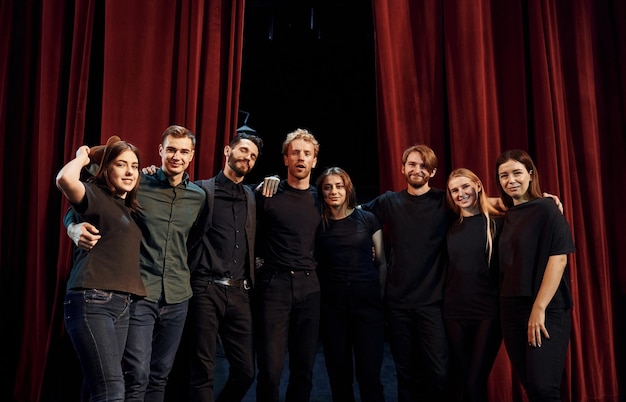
<point>473,78</point>
<point>76,72</point>
<point>468,78</point>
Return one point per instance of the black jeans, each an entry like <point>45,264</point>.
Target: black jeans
<point>287,311</point>
<point>225,311</point>
<point>353,335</point>
<point>474,346</point>
<point>420,351</point>
<point>540,369</point>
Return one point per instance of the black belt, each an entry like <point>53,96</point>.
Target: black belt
<point>291,273</point>
<point>239,283</point>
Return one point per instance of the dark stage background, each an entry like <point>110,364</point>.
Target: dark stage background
<point>311,65</point>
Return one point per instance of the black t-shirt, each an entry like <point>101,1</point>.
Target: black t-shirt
<point>286,226</point>
<point>113,264</point>
<point>344,248</point>
<point>532,232</point>
<point>471,289</point>
<point>416,227</point>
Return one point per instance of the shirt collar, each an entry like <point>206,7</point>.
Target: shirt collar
<point>227,183</point>
<point>160,175</point>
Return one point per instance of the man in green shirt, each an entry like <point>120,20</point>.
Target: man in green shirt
<point>170,206</point>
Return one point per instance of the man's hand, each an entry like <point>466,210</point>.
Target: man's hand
<point>269,187</point>
<point>556,199</point>
<point>497,203</point>
<point>84,235</point>
<point>149,170</point>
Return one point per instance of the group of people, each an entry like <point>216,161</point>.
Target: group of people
<point>272,269</point>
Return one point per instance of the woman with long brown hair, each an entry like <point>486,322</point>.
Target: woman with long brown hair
<point>535,295</point>
<point>352,269</point>
<point>104,280</point>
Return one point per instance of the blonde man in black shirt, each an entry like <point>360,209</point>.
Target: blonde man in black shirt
<point>287,294</point>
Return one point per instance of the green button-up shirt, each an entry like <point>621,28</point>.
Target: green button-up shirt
<point>166,217</point>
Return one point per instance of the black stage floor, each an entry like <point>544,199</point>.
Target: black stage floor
<point>321,389</point>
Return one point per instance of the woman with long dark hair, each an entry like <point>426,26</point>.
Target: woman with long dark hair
<point>535,295</point>
<point>104,280</point>
<point>352,269</point>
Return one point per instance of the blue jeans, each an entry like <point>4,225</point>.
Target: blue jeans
<point>97,323</point>
<point>153,337</point>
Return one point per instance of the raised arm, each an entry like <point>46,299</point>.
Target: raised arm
<point>68,178</point>
<point>84,234</point>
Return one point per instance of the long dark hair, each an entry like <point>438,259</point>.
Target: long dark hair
<point>351,200</point>
<point>534,191</point>
<point>101,178</point>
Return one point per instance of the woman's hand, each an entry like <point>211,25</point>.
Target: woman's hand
<point>537,326</point>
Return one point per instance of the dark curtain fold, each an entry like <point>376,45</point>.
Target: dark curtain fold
<point>472,79</point>
<point>76,72</point>
<point>178,63</point>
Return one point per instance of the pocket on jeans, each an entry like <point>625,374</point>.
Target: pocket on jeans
<point>97,296</point>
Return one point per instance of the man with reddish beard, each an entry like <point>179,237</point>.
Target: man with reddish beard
<point>221,258</point>
<point>417,220</point>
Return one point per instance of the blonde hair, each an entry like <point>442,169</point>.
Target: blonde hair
<point>300,134</point>
<point>486,209</point>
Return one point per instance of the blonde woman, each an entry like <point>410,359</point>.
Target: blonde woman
<point>470,302</point>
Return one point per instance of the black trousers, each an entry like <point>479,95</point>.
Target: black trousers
<point>353,336</point>
<point>474,346</point>
<point>540,369</point>
<point>287,315</point>
<point>225,311</point>
<point>420,351</point>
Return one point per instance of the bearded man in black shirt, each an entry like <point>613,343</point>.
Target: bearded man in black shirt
<point>417,220</point>
<point>221,258</point>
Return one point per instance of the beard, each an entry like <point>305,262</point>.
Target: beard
<point>417,182</point>
<point>239,166</point>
